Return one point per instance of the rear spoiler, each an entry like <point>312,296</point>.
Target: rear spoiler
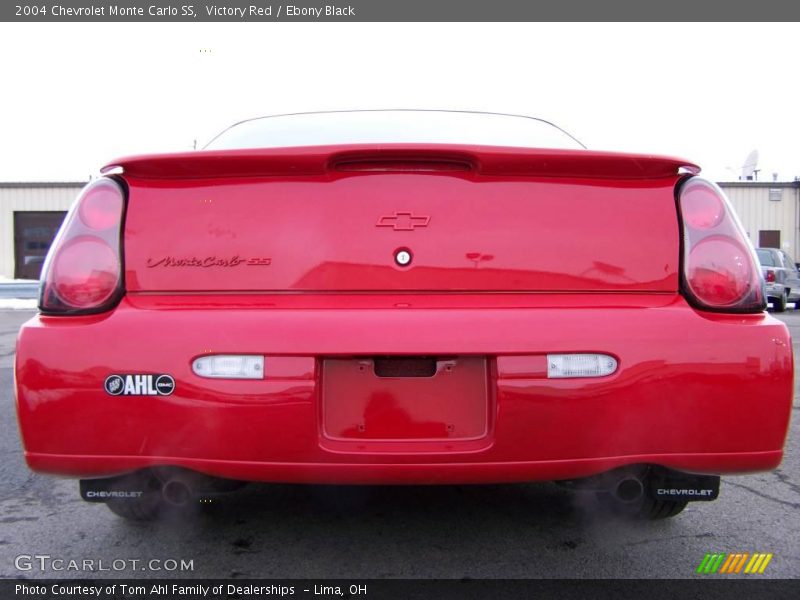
<point>320,160</point>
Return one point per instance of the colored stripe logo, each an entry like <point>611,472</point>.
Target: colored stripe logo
<point>737,562</point>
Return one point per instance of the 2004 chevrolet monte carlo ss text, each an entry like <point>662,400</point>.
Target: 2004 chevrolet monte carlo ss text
<point>402,297</point>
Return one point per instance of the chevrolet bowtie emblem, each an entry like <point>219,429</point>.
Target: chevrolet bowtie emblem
<point>403,221</point>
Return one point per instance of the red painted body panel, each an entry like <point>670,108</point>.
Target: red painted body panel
<point>321,160</point>
<point>290,254</point>
<point>694,391</point>
<point>335,230</point>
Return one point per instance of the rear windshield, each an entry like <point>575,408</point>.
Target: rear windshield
<point>765,258</point>
<point>393,126</point>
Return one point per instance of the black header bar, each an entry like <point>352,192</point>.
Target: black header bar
<point>267,11</point>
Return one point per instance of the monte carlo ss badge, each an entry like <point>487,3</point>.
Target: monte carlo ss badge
<point>139,385</point>
<point>208,261</point>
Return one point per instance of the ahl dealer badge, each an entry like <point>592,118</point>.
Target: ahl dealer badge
<point>139,385</point>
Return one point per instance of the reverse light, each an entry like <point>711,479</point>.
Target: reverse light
<point>720,268</point>
<point>580,365</point>
<point>82,273</point>
<point>229,366</point>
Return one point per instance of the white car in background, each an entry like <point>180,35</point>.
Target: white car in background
<point>781,276</point>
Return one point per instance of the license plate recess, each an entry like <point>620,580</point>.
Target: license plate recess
<point>405,398</point>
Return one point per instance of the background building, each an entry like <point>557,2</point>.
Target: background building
<point>769,212</point>
<point>31,213</point>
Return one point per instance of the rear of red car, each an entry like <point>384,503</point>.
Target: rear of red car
<point>402,313</point>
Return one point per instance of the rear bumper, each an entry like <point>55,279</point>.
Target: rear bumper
<point>400,473</point>
<point>693,391</point>
<point>775,290</point>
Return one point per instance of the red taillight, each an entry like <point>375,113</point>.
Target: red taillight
<point>101,205</point>
<point>83,270</point>
<point>718,270</point>
<point>770,277</point>
<point>719,264</point>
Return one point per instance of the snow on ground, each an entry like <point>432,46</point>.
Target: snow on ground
<point>18,303</point>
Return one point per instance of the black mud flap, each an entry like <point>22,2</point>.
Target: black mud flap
<point>124,487</point>
<point>666,484</point>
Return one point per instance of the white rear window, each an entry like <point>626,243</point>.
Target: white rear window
<point>765,258</point>
<point>393,127</point>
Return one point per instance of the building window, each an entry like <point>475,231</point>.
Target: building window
<point>769,239</point>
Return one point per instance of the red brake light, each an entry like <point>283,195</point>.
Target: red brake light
<point>720,269</point>
<point>101,205</point>
<point>770,276</point>
<point>83,270</point>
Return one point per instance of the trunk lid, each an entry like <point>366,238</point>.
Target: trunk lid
<point>332,219</point>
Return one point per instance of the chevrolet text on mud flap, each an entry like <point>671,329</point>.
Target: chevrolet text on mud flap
<point>402,297</point>
<point>112,494</point>
<point>689,492</point>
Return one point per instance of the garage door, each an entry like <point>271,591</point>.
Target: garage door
<point>33,234</point>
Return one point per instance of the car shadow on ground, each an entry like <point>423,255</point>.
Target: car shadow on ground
<point>510,530</point>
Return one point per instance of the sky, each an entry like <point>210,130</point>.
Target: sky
<point>75,96</point>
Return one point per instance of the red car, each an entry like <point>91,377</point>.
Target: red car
<point>402,297</point>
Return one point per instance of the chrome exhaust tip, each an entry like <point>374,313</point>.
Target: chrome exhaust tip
<point>629,490</point>
<point>176,492</point>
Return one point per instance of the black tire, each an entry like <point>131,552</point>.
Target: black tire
<point>780,303</point>
<point>653,509</point>
<point>150,505</point>
<point>146,508</point>
<point>646,508</point>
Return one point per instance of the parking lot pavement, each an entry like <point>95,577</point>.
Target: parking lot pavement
<point>509,531</point>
